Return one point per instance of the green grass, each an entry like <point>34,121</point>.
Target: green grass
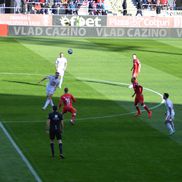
<point>110,149</point>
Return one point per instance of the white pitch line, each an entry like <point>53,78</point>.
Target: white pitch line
<point>25,160</point>
<point>101,81</point>
<point>118,83</point>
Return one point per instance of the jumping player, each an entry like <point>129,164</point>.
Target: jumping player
<point>61,65</point>
<point>169,120</point>
<point>50,88</point>
<point>136,66</point>
<point>139,99</point>
<point>55,126</point>
<point>67,100</point>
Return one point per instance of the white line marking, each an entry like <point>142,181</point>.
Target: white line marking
<point>101,81</point>
<point>118,83</point>
<point>37,178</point>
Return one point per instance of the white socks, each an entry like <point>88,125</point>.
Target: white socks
<point>48,101</point>
<point>170,128</point>
<point>61,81</point>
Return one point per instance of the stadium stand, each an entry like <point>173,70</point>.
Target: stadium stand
<point>88,7</point>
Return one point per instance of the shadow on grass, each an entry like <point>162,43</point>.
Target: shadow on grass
<point>121,142</point>
<point>28,108</point>
<point>94,44</point>
<point>103,82</point>
<point>24,83</point>
<point>115,145</point>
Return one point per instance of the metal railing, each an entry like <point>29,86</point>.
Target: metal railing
<point>71,11</point>
<point>59,8</point>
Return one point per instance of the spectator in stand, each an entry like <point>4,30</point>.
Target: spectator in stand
<point>94,8</point>
<point>158,8</point>
<point>100,8</point>
<point>144,3</point>
<point>37,8</point>
<point>139,8</point>
<point>17,6</point>
<point>72,8</point>
<point>23,6</point>
<point>42,1</point>
<point>91,7</point>
<point>54,8</point>
<point>124,5</point>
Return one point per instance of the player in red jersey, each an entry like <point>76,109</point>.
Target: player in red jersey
<point>139,99</point>
<point>136,66</point>
<point>67,100</point>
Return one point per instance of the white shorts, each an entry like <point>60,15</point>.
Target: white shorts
<point>50,91</point>
<point>172,115</point>
<point>61,72</point>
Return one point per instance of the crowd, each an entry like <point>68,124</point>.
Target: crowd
<point>90,7</point>
<point>47,6</point>
<point>96,7</point>
<point>93,7</point>
<point>152,4</point>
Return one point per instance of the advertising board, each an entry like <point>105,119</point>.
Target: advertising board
<point>26,19</point>
<point>144,22</point>
<point>80,21</point>
<point>95,32</point>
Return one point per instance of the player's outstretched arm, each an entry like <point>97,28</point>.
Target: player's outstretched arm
<point>42,79</point>
<point>133,95</point>
<point>73,98</point>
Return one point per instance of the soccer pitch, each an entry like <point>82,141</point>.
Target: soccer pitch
<point>107,143</point>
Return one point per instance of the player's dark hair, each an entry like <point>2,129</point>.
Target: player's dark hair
<point>133,79</point>
<point>54,108</point>
<point>66,90</point>
<point>57,73</point>
<point>166,95</point>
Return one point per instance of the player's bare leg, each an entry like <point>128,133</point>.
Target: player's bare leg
<point>138,110</point>
<point>169,127</point>
<point>172,125</point>
<point>147,109</point>
<point>61,81</point>
<point>73,116</point>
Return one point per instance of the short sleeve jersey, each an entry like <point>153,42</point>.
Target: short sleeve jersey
<point>55,120</point>
<point>53,82</point>
<point>67,99</point>
<point>138,89</point>
<point>169,105</point>
<point>60,63</point>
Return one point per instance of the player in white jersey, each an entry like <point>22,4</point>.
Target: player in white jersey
<point>61,65</point>
<point>169,120</point>
<point>50,88</point>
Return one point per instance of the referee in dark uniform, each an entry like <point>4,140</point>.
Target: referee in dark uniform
<point>55,126</point>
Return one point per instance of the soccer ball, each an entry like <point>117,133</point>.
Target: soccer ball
<point>70,51</point>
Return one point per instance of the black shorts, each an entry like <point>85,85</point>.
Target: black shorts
<point>55,133</point>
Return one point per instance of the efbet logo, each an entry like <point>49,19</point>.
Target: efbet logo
<point>80,21</point>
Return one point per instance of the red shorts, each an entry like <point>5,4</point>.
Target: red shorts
<point>135,73</point>
<point>139,100</point>
<point>68,109</point>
